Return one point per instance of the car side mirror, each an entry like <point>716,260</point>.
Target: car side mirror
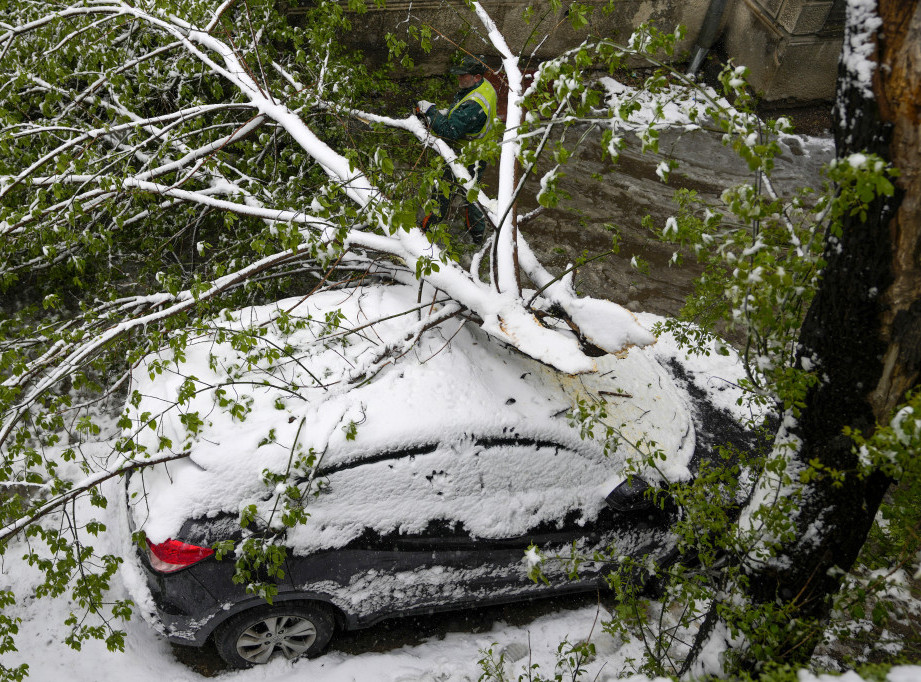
<point>629,496</point>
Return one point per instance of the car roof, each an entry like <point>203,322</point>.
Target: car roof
<point>453,385</point>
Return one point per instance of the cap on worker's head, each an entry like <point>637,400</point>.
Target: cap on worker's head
<point>469,64</point>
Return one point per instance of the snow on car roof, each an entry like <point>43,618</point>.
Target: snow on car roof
<point>453,384</point>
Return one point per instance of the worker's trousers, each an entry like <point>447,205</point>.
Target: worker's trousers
<point>474,217</point>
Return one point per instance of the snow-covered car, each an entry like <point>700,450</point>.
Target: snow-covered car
<point>430,472</point>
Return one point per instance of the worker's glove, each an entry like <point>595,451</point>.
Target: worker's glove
<point>423,106</point>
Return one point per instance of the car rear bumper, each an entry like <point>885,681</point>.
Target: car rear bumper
<point>186,609</point>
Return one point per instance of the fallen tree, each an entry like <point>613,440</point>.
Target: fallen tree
<point>210,158</point>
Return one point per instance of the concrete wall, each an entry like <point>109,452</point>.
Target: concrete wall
<point>790,46</point>
<point>546,35</point>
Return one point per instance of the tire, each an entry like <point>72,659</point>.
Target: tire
<point>292,629</point>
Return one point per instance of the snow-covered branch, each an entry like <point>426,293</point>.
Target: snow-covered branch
<point>102,170</point>
<point>82,487</point>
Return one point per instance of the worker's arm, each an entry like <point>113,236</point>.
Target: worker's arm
<point>468,119</point>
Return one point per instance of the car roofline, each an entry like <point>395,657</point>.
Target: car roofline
<point>487,441</point>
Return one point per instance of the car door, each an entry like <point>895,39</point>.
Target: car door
<point>448,525</point>
<point>506,495</point>
<point>378,539</point>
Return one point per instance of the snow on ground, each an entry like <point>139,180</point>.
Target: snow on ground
<point>453,658</point>
<point>902,673</point>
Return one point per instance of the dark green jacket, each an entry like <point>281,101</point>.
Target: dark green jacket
<point>465,121</point>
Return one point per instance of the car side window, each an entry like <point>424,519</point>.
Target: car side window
<point>543,485</point>
<point>487,489</point>
<point>399,492</point>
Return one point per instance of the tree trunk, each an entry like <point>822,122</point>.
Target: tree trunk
<point>863,329</point>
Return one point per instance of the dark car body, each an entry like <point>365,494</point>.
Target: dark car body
<point>442,567</point>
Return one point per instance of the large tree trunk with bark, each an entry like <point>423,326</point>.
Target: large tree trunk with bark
<point>862,332</point>
<point>863,329</point>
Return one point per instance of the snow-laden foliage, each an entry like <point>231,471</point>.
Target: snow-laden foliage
<point>226,118</point>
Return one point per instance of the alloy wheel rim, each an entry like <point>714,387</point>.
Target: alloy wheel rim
<point>291,635</point>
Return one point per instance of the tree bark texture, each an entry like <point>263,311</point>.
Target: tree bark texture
<point>863,328</point>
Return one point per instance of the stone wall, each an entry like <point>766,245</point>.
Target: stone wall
<point>790,46</point>
<point>547,33</point>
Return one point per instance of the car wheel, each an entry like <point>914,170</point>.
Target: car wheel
<point>292,629</point>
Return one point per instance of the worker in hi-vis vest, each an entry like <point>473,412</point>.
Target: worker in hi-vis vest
<point>470,117</point>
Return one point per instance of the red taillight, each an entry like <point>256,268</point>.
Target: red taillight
<point>171,555</point>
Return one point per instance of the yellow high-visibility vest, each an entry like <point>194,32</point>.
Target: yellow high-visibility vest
<point>484,95</point>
